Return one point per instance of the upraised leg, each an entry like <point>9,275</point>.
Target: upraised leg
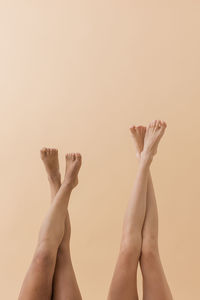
<point>64,284</point>
<point>124,284</point>
<point>124,281</point>
<point>38,280</point>
<point>155,286</point>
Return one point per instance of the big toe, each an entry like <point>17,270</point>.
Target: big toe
<point>68,156</point>
<point>157,124</point>
<point>164,124</point>
<point>133,130</point>
<point>43,152</point>
<point>78,157</point>
<point>55,151</point>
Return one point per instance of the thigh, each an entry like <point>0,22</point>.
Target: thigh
<point>124,281</point>
<point>155,286</point>
<point>38,280</point>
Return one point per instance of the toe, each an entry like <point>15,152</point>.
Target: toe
<point>154,124</point>
<point>143,130</point>
<point>43,151</point>
<point>157,124</point>
<point>140,128</point>
<point>133,129</point>
<point>78,156</point>
<point>161,124</point>
<point>150,125</point>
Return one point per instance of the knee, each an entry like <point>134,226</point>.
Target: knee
<point>131,247</point>
<point>150,248</point>
<point>44,256</point>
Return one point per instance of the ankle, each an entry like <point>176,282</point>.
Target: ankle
<point>146,159</point>
<point>55,178</point>
<point>70,182</point>
<point>67,185</point>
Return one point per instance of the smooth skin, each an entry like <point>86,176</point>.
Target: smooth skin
<point>65,285</point>
<point>51,274</point>
<point>139,242</point>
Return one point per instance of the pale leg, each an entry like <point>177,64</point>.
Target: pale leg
<point>64,283</point>
<point>38,281</point>
<point>124,282</point>
<point>155,286</point>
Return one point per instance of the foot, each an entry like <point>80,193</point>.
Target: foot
<point>138,134</point>
<point>73,164</point>
<point>50,160</point>
<point>153,135</point>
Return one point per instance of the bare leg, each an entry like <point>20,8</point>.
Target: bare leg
<point>124,284</point>
<point>155,286</point>
<point>38,281</point>
<point>64,284</point>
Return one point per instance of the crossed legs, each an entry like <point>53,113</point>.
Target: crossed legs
<point>64,283</point>
<point>139,243</point>
<point>51,275</point>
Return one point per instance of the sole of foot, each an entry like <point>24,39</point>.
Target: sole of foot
<point>73,165</point>
<point>49,157</point>
<point>138,134</point>
<point>153,135</point>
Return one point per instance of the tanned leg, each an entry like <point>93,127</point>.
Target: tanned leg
<point>38,281</point>
<point>64,284</point>
<point>124,284</point>
<point>155,286</point>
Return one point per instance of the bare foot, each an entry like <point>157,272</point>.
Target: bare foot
<point>138,134</point>
<point>50,160</point>
<point>154,133</point>
<point>73,164</point>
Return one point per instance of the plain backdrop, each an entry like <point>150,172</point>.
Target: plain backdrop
<point>75,75</point>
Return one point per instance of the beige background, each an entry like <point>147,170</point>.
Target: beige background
<point>75,75</point>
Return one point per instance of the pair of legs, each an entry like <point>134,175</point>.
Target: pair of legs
<point>139,243</point>
<point>51,275</point>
